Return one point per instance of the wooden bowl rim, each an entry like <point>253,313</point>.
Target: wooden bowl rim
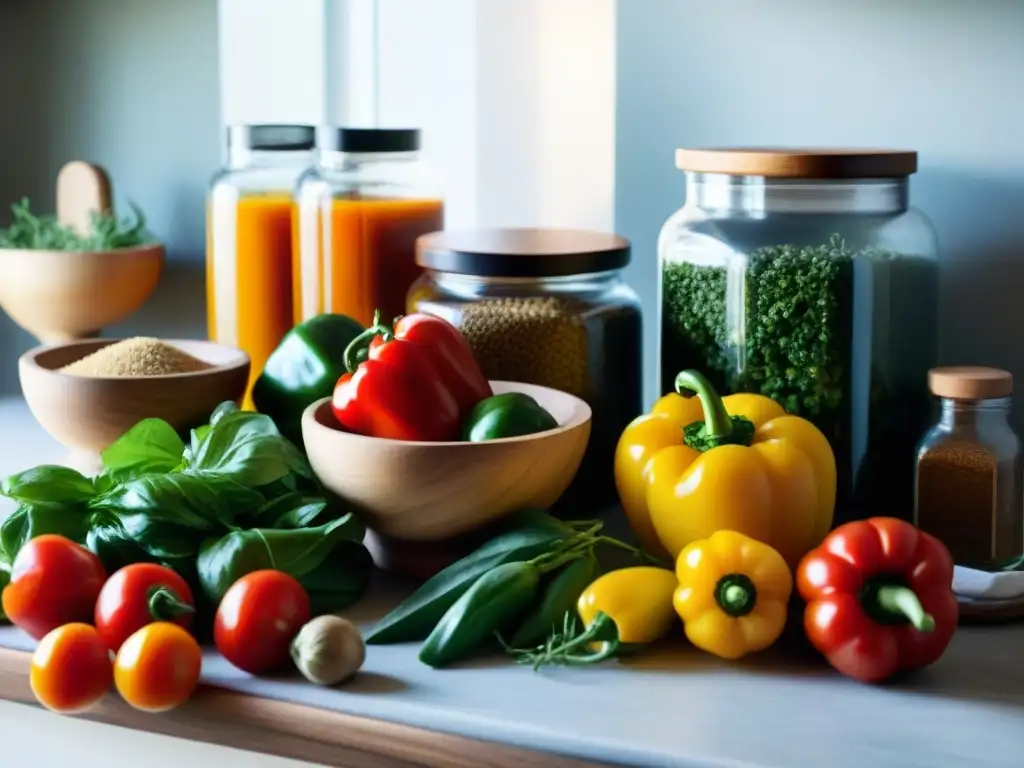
<point>581,414</point>
<point>31,359</point>
<point>146,249</point>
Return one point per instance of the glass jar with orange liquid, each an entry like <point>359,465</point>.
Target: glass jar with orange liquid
<point>360,209</point>
<point>249,238</point>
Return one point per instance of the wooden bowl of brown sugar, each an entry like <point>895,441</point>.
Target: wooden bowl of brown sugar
<point>88,393</point>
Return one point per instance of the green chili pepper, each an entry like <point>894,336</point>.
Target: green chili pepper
<point>495,601</point>
<point>304,368</point>
<point>559,598</point>
<point>416,616</point>
<point>507,415</point>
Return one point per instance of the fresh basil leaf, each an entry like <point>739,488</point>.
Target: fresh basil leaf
<point>160,539</point>
<point>340,580</point>
<point>48,483</point>
<point>247,447</point>
<point>204,503</point>
<point>223,561</point>
<point>30,520</point>
<point>293,510</point>
<point>195,438</point>
<point>152,445</point>
<point>222,410</point>
<point>111,543</point>
<point>5,579</point>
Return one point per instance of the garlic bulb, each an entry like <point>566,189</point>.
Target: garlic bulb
<point>328,650</point>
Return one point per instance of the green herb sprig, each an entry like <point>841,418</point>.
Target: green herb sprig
<point>45,233</point>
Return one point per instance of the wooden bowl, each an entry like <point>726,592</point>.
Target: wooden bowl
<point>87,413</point>
<point>433,492</point>
<point>59,296</point>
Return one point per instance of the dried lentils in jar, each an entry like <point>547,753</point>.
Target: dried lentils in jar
<point>967,485</point>
<point>546,307</point>
<point>539,340</point>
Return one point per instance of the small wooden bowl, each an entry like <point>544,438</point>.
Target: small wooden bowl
<point>432,492</point>
<point>86,413</point>
<point>59,296</point>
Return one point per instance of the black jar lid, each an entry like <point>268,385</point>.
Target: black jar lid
<point>522,252</point>
<point>330,138</point>
<point>272,137</point>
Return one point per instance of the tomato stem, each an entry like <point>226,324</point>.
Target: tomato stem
<point>165,605</point>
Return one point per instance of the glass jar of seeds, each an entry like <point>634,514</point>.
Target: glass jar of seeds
<point>808,277</point>
<point>968,485</point>
<point>547,307</point>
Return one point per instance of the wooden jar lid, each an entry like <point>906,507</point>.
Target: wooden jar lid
<point>970,382</point>
<point>799,163</point>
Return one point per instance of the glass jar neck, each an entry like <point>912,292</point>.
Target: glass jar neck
<point>245,157</point>
<point>759,194</point>
<point>335,160</point>
<point>459,283</point>
<point>964,413</point>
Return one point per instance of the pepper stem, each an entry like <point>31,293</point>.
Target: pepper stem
<point>902,601</point>
<point>356,351</point>
<point>164,604</point>
<point>736,594</point>
<point>718,427</point>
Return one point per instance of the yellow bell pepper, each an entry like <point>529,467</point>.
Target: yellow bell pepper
<point>621,610</point>
<point>732,595</point>
<point>696,465</point>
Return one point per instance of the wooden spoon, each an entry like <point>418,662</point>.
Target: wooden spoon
<point>82,188</point>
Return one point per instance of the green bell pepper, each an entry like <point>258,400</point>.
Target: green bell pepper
<point>304,368</point>
<point>508,415</point>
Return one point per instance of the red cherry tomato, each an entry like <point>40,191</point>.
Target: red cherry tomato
<point>257,619</point>
<point>71,669</point>
<point>54,581</point>
<point>138,595</point>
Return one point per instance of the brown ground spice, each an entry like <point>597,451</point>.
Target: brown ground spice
<point>956,499</point>
<point>141,356</point>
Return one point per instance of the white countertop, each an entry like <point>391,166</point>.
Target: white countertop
<point>671,706</point>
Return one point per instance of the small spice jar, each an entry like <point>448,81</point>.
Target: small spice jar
<point>967,484</point>
<point>547,307</point>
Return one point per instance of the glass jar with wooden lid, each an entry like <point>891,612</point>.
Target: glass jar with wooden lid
<point>968,485</point>
<point>806,276</point>
<point>547,307</point>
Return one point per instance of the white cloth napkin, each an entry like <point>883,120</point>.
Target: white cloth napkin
<point>985,587</point>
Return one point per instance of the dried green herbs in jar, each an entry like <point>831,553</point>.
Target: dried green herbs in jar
<point>967,485</point>
<point>806,275</point>
<point>546,307</point>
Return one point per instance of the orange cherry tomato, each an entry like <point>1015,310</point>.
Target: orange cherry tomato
<point>54,581</point>
<point>158,667</point>
<point>71,669</point>
<point>258,618</point>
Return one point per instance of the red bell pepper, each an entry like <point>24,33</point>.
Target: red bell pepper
<point>417,381</point>
<point>879,598</point>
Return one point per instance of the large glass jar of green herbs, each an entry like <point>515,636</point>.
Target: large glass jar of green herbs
<point>806,276</point>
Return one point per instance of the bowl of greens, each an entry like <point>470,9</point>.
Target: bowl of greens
<point>62,283</point>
